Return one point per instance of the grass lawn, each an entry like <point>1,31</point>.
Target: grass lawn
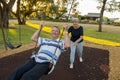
<point>26,33</point>
<point>14,37</point>
<point>102,35</point>
<point>109,33</point>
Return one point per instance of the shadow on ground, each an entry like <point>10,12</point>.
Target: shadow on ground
<point>89,69</point>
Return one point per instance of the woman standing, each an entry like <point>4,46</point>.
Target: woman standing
<point>76,41</point>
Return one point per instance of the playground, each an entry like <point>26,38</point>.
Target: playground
<point>101,62</point>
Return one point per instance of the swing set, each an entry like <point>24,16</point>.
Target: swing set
<point>9,44</point>
<point>51,65</point>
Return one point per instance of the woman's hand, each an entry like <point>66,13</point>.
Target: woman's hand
<point>75,43</point>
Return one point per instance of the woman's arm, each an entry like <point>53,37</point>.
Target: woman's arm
<point>78,40</point>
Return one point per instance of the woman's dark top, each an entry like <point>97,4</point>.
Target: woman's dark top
<point>75,33</point>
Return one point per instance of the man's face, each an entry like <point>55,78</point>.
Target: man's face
<point>55,33</point>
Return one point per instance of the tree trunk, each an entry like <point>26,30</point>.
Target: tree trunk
<point>24,20</point>
<point>18,15</point>
<point>18,12</point>
<point>101,16</point>
<point>19,20</point>
<point>70,10</point>
<point>5,18</point>
<point>1,26</point>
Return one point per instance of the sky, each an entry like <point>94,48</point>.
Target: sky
<point>89,6</point>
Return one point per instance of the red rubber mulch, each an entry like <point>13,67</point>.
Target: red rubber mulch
<point>94,67</point>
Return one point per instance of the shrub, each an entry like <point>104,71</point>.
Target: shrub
<point>116,22</point>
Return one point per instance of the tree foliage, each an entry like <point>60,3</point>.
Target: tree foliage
<point>73,4</point>
<point>106,5</point>
<point>5,7</point>
<point>111,5</point>
<point>43,9</point>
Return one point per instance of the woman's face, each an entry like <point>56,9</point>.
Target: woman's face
<point>75,23</point>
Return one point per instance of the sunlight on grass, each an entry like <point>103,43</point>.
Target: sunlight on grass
<point>101,41</point>
<point>12,31</point>
<point>45,28</point>
<point>90,39</point>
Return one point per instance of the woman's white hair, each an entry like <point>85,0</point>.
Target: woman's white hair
<point>75,20</point>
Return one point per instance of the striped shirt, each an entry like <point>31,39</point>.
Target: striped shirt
<point>47,50</point>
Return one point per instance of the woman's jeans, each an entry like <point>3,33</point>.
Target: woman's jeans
<point>30,70</point>
<point>78,48</point>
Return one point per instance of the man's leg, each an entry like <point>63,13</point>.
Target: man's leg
<point>18,72</point>
<point>36,72</point>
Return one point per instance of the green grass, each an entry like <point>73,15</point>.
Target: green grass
<point>14,38</point>
<point>102,35</point>
<point>27,32</point>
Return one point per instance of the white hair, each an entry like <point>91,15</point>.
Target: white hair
<point>75,20</point>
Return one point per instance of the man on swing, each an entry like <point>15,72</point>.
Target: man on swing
<point>49,52</point>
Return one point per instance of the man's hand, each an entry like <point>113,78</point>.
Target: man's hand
<point>42,25</point>
<point>37,33</point>
<point>66,37</point>
<point>65,26</point>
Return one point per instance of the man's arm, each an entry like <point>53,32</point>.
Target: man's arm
<point>35,36</point>
<point>66,37</point>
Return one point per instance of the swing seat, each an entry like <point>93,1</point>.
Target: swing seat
<point>10,45</point>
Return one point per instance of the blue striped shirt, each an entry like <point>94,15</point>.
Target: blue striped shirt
<point>47,50</point>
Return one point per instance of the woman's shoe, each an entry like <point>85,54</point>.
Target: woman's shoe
<point>80,58</point>
<point>71,66</point>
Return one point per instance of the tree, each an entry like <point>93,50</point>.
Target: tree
<point>109,6</point>
<point>101,13</point>
<point>118,5</point>
<point>24,8</point>
<point>112,6</point>
<point>62,7</point>
<point>54,10</point>
<point>1,26</point>
<point>6,6</point>
<point>73,6</point>
<point>27,7</point>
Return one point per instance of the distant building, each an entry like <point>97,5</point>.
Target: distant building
<point>71,17</point>
<point>93,16</point>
